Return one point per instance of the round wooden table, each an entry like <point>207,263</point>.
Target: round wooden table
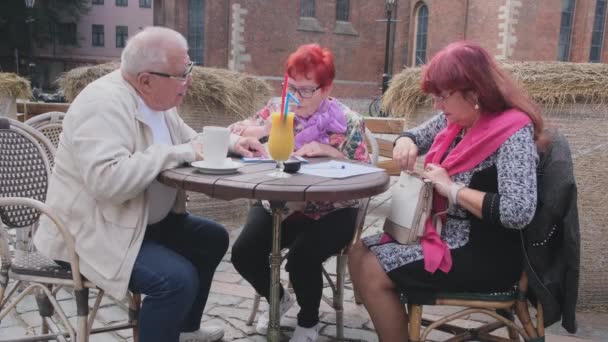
<point>252,181</point>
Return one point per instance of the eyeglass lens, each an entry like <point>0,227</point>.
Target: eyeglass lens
<point>304,92</point>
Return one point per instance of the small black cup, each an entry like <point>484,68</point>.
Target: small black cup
<point>292,166</point>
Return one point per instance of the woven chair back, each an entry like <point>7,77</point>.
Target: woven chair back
<point>50,124</point>
<point>24,171</point>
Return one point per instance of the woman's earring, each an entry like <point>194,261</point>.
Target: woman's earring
<point>477,106</point>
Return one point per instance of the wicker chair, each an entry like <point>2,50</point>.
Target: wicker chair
<point>500,305</point>
<point>49,124</point>
<point>337,286</point>
<point>24,176</point>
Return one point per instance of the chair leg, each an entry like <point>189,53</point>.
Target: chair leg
<point>415,317</point>
<point>45,308</point>
<point>254,309</point>
<point>82,311</point>
<point>508,314</point>
<point>134,310</point>
<point>521,310</point>
<point>338,300</point>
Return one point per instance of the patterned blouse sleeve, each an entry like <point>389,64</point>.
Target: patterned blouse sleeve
<point>255,124</point>
<point>424,134</point>
<point>516,166</point>
<point>353,146</point>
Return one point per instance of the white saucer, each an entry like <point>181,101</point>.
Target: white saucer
<point>229,166</point>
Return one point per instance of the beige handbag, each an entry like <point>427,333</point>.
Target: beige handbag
<point>411,203</point>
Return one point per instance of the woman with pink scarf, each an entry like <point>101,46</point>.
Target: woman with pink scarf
<point>481,157</point>
<point>313,231</point>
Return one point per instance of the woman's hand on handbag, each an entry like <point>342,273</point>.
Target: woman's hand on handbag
<point>405,153</point>
<point>439,177</point>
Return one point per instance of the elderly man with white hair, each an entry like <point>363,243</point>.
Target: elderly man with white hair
<point>119,133</point>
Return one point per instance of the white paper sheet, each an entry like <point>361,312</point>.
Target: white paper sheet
<point>337,169</point>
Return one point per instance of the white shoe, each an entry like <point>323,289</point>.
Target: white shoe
<point>210,333</point>
<point>306,334</point>
<point>286,303</point>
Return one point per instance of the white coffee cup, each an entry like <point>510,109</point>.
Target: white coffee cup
<point>215,142</point>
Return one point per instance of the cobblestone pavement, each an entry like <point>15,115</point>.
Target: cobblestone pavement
<point>231,299</point>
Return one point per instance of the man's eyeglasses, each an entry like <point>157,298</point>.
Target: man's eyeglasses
<point>182,79</point>
<point>440,98</point>
<point>305,92</point>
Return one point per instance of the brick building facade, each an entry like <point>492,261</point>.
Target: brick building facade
<point>256,36</point>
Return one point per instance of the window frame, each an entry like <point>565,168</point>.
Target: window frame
<point>565,32</point>
<point>597,34</point>
<point>122,3</point>
<point>145,3</point>
<point>343,10</point>
<point>97,2</point>
<point>307,9</point>
<point>121,36</point>
<point>196,31</point>
<point>98,38</point>
<point>418,50</point>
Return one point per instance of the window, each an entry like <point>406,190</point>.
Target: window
<point>597,37</point>
<point>97,2</point>
<point>122,33</point>
<point>98,36</point>
<point>66,33</point>
<point>342,10</point>
<point>565,30</point>
<point>145,3</point>
<point>307,8</point>
<point>196,30</point>
<point>422,21</point>
<point>122,3</point>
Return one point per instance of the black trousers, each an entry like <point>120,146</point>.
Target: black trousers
<point>310,243</point>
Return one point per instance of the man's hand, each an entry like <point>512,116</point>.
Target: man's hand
<point>198,149</point>
<point>405,153</point>
<point>317,149</point>
<point>249,147</point>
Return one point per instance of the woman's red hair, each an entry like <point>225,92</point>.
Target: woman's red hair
<point>312,62</point>
<point>465,66</point>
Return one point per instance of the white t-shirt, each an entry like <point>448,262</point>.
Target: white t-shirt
<point>161,197</point>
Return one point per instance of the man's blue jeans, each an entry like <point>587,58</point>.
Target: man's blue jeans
<point>174,269</point>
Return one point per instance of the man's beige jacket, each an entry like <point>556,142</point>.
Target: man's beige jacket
<point>103,166</point>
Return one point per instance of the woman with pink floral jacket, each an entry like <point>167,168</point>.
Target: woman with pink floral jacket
<point>313,231</point>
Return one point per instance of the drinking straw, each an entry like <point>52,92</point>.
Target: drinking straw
<point>283,95</point>
<point>289,97</point>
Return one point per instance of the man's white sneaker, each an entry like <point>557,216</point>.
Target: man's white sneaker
<point>205,334</point>
<point>306,334</point>
<point>286,303</point>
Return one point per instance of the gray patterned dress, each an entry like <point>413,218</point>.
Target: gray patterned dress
<point>489,245</point>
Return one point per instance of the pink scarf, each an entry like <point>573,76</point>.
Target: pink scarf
<point>483,139</point>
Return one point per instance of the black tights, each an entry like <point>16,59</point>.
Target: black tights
<point>310,243</point>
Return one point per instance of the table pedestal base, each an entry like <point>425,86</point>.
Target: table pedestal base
<point>274,332</point>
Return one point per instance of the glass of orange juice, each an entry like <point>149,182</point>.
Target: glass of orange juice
<point>281,142</point>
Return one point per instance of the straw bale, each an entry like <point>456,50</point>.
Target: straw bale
<point>212,88</point>
<point>73,81</point>
<point>15,86</point>
<point>551,84</point>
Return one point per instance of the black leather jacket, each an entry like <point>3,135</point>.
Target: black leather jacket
<point>552,239</point>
